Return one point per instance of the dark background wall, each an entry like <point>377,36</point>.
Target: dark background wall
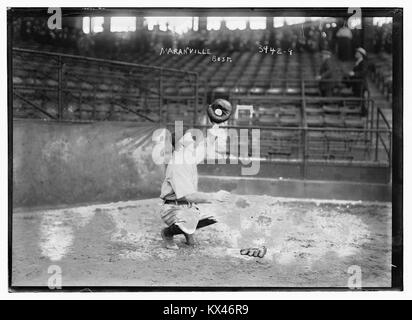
<point>56,164</point>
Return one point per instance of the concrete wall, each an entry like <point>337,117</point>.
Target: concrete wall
<point>327,180</point>
<point>306,189</point>
<point>328,171</point>
<point>56,164</point>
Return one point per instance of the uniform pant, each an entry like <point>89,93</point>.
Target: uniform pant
<point>187,217</point>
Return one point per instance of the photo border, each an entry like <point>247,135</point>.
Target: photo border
<point>397,153</point>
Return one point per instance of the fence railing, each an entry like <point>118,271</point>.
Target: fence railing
<point>285,87</point>
<point>383,139</point>
<point>366,107</point>
<point>303,145</point>
<point>67,87</point>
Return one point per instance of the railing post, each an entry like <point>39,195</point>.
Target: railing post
<point>304,153</point>
<point>196,99</point>
<point>59,88</point>
<point>390,157</point>
<point>94,103</point>
<point>304,131</point>
<point>372,118</point>
<point>371,111</point>
<point>377,135</point>
<point>160,95</point>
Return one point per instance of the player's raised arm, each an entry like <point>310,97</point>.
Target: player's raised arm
<point>218,112</point>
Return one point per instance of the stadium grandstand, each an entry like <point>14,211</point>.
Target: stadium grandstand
<point>301,189</point>
<point>161,69</point>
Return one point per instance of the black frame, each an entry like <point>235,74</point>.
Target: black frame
<point>397,89</point>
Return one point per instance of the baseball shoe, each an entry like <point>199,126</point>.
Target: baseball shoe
<point>190,239</point>
<point>168,240</point>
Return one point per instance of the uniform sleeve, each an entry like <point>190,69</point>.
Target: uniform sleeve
<point>181,181</point>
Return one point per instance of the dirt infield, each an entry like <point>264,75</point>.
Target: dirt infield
<point>310,244</point>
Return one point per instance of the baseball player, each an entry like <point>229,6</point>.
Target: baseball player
<point>179,189</point>
<point>180,194</point>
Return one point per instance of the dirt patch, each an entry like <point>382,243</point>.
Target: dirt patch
<point>310,244</point>
<point>242,203</point>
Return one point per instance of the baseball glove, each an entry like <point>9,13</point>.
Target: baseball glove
<point>254,252</point>
<point>219,111</point>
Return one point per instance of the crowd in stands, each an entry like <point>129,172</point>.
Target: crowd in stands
<point>382,41</point>
<point>310,37</point>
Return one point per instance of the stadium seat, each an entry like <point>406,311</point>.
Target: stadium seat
<point>316,135</point>
<point>312,91</point>
<point>268,120</point>
<point>103,107</point>
<point>170,91</point>
<point>289,110</point>
<point>220,90</point>
<point>292,91</point>
<point>103,95</point>
<point>51,108</point>
<point>86,86</point>
<point>351,110</point>
<point>33,81</point>
<point>256,91</point>
<point>314,121</point>
<point>104,87</point>
<point>314,111</point>
<point>288,121</point>
<point>331,109</point>
<point>267,110</point>
<point>71,84</point>
<point>346,92</point>
<point>333,121</point>
<point>274,91</point>
<point>238,90</point>
<point>354,123</point>
<point>116,87</point>
<point>86,111</point>
<point>17,80</point>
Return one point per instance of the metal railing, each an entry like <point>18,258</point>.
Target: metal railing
<point>383,137</point>
<point>303,145</point>
<point>288,87</point>
<point>52,81</point>
<point>366,107</point>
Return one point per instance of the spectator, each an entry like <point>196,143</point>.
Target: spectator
<point>313,39</point>
<point>344,39</point>
<point>326,75</point>
<point>378,40</point>
<point>306,37</point>
<point>359,73</point>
